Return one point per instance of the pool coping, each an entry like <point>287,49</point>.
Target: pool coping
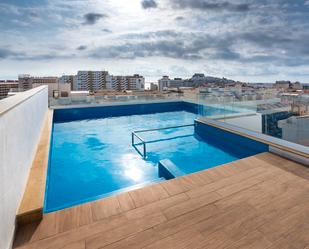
<point>31,206</point>
<point>103,196</point>
<point>283,145</point>
<point>118,103</point>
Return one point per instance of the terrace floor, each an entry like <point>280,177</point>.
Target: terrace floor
<point>257,202</point>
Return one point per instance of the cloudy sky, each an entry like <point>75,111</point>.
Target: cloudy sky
<point>249,40</point>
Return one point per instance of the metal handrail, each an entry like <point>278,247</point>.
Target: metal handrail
<point>144,142</point>
<point>165,128</point>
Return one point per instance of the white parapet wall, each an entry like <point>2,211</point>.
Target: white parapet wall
<point>21,121</point>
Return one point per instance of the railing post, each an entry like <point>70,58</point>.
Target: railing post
<point>132,138</point>
<point>144,145</point>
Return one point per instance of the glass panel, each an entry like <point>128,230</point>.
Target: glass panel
<point>267,111</point>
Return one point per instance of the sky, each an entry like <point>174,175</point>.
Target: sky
<point>247,40</point>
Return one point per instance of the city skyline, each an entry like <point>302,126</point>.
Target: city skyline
<point>254,41</point>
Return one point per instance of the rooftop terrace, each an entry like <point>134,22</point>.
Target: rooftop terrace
<point>257,202</point>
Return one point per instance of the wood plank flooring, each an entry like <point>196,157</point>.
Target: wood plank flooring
<point>257,202</point>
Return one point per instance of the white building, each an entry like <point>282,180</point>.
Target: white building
<point>164,83</point>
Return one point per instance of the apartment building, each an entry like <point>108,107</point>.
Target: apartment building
<point>119,83</point>
<point>135,82</point>
<point>6,86</point>
<point>94,81</point>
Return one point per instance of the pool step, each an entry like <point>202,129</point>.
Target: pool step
<point>168,170</point>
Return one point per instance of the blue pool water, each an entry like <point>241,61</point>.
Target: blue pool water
<point>91,158</point>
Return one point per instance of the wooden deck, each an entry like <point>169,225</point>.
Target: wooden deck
<point>257,202</point>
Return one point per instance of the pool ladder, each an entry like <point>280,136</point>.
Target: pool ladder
<point>134,134</point>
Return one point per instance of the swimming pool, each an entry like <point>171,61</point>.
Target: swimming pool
<point>92,156</point>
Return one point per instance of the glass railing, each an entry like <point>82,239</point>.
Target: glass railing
<point>285,117</point>
<point>97,100</point>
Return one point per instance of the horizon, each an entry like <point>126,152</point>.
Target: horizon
<point>149,80</point>
<point>244,40</point>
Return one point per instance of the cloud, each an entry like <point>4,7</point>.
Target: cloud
<point>148,4</point>
<point>107,31</point>
<point>225,54</point>
<point>179,18</point>
<point>250,47</point>
<point>168,44</point>
<point>210,5</point>
<point>171,49</point>
<point>5,53</point>
<point>150,35</point>
<point>196,34</point>
<point>81,47</point>
<point>24,56</point>
<point>93,18</point>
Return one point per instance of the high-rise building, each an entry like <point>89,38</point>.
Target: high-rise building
<point>120,83</point>
<point>100,80</point>
<point>93,80</point>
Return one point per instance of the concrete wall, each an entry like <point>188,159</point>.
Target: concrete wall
<point>21,120</point>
